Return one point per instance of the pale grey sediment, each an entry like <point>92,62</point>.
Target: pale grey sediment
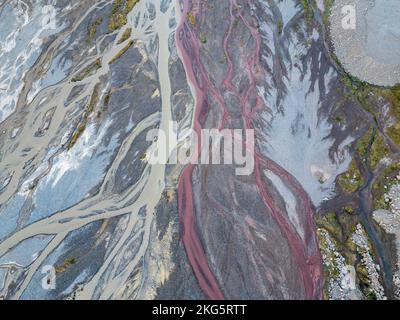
<point>371,51</point>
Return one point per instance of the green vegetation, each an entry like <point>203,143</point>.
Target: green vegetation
<point>119,13</point>
<point>67,263</point>
<point>280,26</point>
<point>351,180</point>
<point>393,97</point>
<point>339,227</point>
<point>143,157</point>
<point>90,70</point>
<point>340,120</point>
<point>119,54</point>
<point>331,269</point>
<point>348,210</point>
<point>308,10</point>
<point>191,18</point>
<point>77,133</point>
<point>328,4</point>
<point>359,90</point>
<point>362,270</point>
<point>125,36</point>
<point>381,203</point>
<point>82,124</point>
<point>170,195</point>
<point>386,180</point>
<point>365,95</point>
<point>92,29</point>
<point>107,99</point>
<point>370,148</point>
<point>203,38</point>
<point>362,92</point>
<point>364,143</point>
<point>363,276</point>
<point>379,150</point>
<point>394,133</point>
<point>330,223</point>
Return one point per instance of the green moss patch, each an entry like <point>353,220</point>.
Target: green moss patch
<point>121,53</point>
<point>90,70</point>
<point>119,13</point>
<point>351,180</point>
<point>125,36</point>
<point>386,180</point>
<point>85,117</point>
<point>379,150</point>
<point>92,30</point>
<point>67,263</point>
